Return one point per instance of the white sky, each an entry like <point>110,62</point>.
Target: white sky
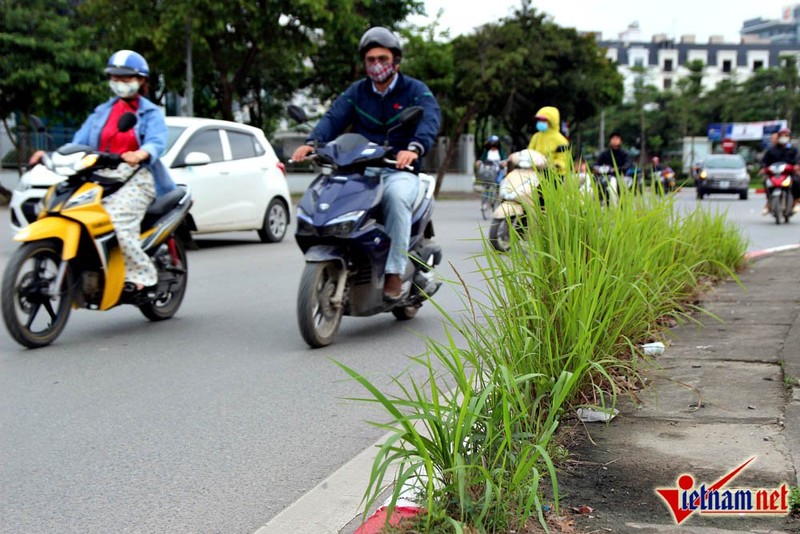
<point>672,17</point>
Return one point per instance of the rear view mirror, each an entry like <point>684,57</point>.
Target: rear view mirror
<point>126,122</point>
<point>411,115</point>
<point>196,158</point>
<point>297,113</point>
<point>37,123</point>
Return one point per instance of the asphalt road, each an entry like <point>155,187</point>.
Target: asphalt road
<point>218,419</point>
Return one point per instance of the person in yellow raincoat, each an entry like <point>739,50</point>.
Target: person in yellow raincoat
<point>548,139</point>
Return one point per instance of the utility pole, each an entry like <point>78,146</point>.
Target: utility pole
<point>189,92</point>
<point>601,142</point>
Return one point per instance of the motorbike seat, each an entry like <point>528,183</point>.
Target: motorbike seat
<point>162,205</point>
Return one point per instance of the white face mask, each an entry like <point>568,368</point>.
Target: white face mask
<point>124,89</point>
<point>783,140</point>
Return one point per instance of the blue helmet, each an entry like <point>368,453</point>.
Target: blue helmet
<point>494,139</point>
<point>127,63</point>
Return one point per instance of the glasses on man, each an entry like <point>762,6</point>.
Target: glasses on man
<point>377,59</point>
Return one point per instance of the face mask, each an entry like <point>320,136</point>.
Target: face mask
<point>541,126</point>
<point>380,72</point>
<point>783,140</point>
<point>124,89</point>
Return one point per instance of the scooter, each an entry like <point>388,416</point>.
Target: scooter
<point>340,231</point>
<point>70,258</point>
<point>517,189</point>
<point>634,180</point>
<point>778,183</point>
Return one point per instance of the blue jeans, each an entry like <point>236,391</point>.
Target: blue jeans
<point>400,189</point>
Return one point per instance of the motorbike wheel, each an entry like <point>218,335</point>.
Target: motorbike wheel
<point>165,307</point>
<point>499,235</point>
<point>404,313</point>
<point>318,319</point>
<point>776,207</point>
<point>276,222</point>
<point>488,202</point>
<point>32,317</point>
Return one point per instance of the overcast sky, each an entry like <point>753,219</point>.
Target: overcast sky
<point>672,17</point>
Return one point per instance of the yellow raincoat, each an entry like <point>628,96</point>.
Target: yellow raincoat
<point>551,143</point>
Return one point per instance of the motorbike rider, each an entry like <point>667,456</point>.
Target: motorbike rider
<point>493,153</point>
<point>614,156</point>
<point>128,74</point>
<point>783,151</point>
<point>370,106</point>
<point>549,141</point>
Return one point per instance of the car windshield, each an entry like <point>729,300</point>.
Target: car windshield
<point>173,133</point>
<point>725,163</point>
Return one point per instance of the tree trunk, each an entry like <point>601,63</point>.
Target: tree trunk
<point>453,145</point>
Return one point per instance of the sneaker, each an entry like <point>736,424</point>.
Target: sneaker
<point>765,211</point>
<point>393,287</point>
<point>795,208</point>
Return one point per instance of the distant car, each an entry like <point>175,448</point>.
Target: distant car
<point>237,181</point>
<point>723,173</point>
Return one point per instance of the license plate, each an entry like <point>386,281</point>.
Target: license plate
<point>724,184</point>
<point>776,192</point>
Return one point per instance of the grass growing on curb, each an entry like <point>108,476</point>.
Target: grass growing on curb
<point>554,327</point>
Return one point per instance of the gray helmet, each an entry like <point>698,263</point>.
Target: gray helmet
<point>379,36</point>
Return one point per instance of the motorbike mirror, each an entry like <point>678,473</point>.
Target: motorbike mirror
<point>126,122</point>
<point>411,115</point>
<point>37,123</point>
<point>297,113</point>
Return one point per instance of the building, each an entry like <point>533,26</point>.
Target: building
<point>784,30</point>
<point>663,61</point>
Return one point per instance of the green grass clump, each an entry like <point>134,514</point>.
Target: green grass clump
<point>554,326</point>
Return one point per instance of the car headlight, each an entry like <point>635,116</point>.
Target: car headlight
<point>343,224</point>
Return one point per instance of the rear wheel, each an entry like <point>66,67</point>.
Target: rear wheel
<point>404,313</point>
<point>317,317</point>
<point>33,315</point>
<point>276,221</point>
<point>499,235</point>
<point>165,306</point>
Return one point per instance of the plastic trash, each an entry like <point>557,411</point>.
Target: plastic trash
<point>653,349</point>
<point>589,415</point>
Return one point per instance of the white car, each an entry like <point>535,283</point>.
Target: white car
<point>237,181</point>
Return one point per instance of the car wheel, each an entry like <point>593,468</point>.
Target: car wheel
<point>743,195</point>
<point>276,221</point>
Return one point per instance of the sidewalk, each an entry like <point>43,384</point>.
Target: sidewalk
<point>721,393</point>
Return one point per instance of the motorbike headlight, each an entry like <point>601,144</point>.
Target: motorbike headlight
<point>786,183</point>
<point>305,225</point>
<point>703,175</point>
<point>343,224</point>
<point>83,198</point>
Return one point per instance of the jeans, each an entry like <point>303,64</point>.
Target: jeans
<point>400,189</point>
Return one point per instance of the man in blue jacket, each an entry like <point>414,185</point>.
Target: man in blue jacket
<point>371,107</point>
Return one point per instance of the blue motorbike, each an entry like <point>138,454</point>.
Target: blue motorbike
<point>340,231</point>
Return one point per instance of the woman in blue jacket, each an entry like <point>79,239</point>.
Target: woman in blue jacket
<point>128,73</point>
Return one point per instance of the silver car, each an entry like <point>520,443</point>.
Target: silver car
<point>723,173</point>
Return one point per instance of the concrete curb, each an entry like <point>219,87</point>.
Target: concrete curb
<point>767,251</point>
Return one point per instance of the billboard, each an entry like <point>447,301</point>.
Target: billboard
<point>744,131</point>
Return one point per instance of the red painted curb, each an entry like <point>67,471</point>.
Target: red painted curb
<point>759,253</point>
<point>761,190</point>
<point>377,521</point>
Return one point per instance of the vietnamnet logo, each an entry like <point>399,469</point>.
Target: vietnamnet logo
<point>716,499</point>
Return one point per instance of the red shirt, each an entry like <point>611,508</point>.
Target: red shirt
<point>111,139</point>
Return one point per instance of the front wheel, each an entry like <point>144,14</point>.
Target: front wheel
<point>775,206</point>
<point>499,235</point>
<point>317,316</point>
<point>34,312</point>
<point>488,201</point>
<point>405,313</point>
<point>276,221</point>
<point>172,266</point>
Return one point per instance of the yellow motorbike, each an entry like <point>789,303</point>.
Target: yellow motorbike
<point>70,258</point>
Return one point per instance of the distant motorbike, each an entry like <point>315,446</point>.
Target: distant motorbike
<point>517,190</point>
<point>607,186</point>
<point>668,179</point>
<point>633,179</point>
<point>340,231</point>
<point>778,183</point>
<point>70,257</point>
